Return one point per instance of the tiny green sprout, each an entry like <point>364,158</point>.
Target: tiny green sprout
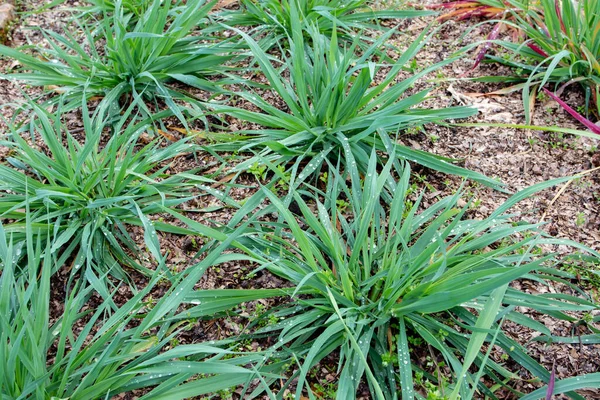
<point>434,138</point>
<point>163,281</point>
<point>150,302</point>
<point>442,334</point>
<point>415,130</point>
<point>342,205</point>
<point>532,141</point>
<point>580,219</point>
<point>414,188</point>
<point>283,182</point>
<point>259,308</point>
<point>436,395</point>
<point>415,341</point>
<point>328,275</point>
<point>259,171</point>
<point>323,177</point>
<point>386,359</point>
<point>326,390</point>
<point>418,377</point>
<point>273,320</point>
<point>225,393</point>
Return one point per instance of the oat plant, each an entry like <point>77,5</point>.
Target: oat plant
<point>79,352</point>
<point>378,283</point>
<point>333,103</point>
<point>273,20</point>
<point>88,194</point>
<point>121,63</point>
<point>95,10</point>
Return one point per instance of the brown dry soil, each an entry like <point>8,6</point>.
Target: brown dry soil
<point>517,157</point>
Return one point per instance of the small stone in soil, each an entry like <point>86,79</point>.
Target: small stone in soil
<point>7,15</point>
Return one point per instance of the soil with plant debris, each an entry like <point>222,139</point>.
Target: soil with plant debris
<point>519,158</point>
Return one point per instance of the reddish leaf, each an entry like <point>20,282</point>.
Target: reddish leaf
<point>537,49</point>
<point>476,12</point>
<point>589,124</point>
<point>493,35</point>
<point>558,13</point>
<point>464,9</point>
<point>550,390</point>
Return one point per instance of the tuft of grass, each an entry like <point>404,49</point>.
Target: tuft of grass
<point>274,20</point>
<point>138,62</point>
<point>382,279</point>
<point>84,354</point>
<point>562,47</point>
<point>95,10</point>
<point>336,106</point>
<point>86,196</point>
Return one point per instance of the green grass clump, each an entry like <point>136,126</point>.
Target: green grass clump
<point>95,10</point>
<point>337,105</point>
<point>137,62</point>
<point>99,353</point>
<point>376,284</point>
<point>273,20</point>
<point>561,47</point>
<point>87,195</point>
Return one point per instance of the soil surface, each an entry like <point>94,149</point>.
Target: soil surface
<point>517,157</point>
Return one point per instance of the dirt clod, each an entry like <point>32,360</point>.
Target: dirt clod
<point>7,15</point>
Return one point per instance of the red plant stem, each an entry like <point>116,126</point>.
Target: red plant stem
<point>589,124</point>
<point>550,390</point>
<point>558,13</point>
